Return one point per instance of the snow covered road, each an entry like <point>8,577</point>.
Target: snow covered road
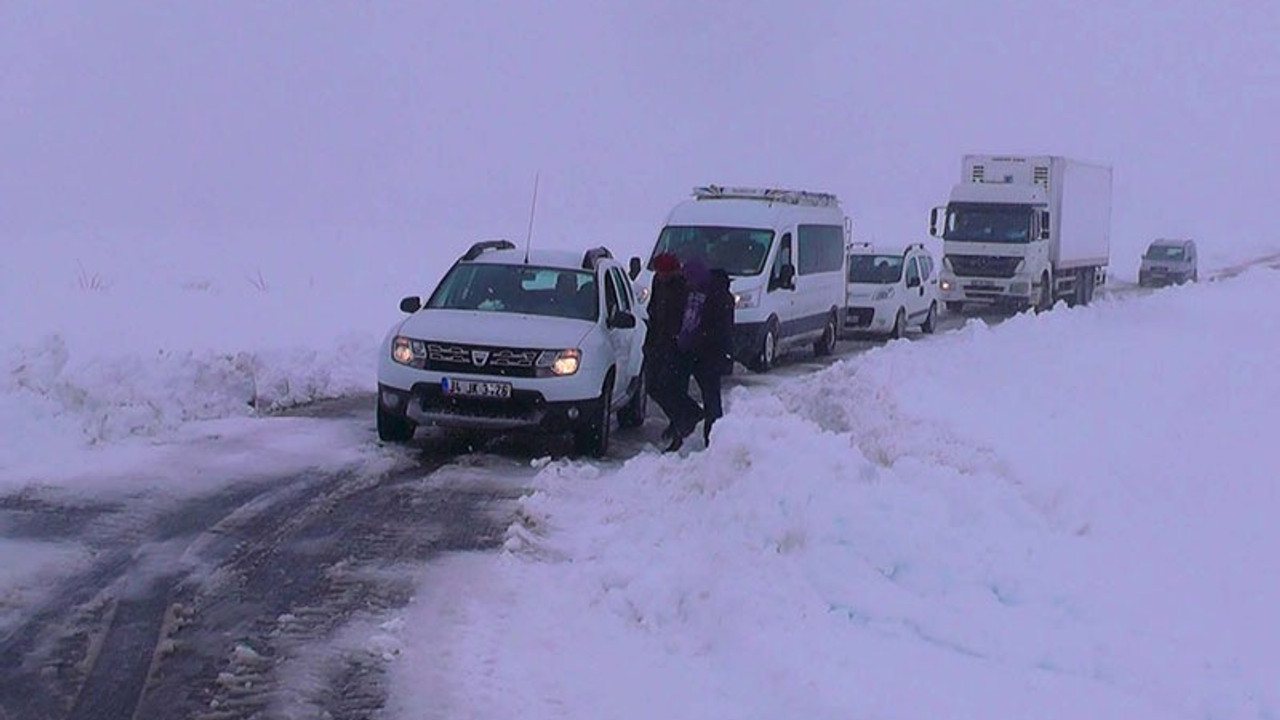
<point>932,493</point>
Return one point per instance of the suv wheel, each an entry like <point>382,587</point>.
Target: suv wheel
<point>592,436</point>
<point>826,344</point>
<point>931,320</point>
<point>393,428</point>
<point>632,414</point>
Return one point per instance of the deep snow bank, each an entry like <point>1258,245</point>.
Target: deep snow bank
<point>1066,515</point>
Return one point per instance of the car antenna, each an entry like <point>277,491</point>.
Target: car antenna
<point>528,240</point>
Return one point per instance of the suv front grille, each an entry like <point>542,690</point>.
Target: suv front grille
<point>984,266</point>
<point>482,359</point>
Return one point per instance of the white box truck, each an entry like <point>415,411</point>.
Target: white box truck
<point>1024,231</point>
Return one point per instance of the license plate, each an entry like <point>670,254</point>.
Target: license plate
<point>476,388</point>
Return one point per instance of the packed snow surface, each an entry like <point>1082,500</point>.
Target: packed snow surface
<point>1066,515</point>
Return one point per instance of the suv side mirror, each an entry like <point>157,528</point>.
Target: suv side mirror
<point>411,304</point>
<point>634,267</point>
<point>913,282</point>
<point>621,319</point>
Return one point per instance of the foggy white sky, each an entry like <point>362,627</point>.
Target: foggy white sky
<point>140,121</point>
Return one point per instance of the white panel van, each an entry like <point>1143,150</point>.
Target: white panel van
<point>785,252</point>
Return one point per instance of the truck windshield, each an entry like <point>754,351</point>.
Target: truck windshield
<point>522,289</point>
<point>737,251</point>
<point>988,222</point>
<point>1164,252</point>
<point>875,269</point>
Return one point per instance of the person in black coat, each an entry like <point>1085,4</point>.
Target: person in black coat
<point>666,367</point>
<point>711,344</point>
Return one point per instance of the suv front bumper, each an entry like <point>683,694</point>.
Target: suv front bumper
<point>426,404</point>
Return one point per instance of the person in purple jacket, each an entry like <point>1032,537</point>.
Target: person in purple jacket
<point>706,336</point>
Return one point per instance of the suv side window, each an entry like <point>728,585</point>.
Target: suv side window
<point>913,273</point>
<point>623,287</point>
<point>610,295</point>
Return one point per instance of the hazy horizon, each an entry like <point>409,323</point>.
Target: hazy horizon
<point>144,129</point>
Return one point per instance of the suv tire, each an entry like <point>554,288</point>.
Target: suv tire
<point>393,428</point>
<point>592,436</point>
<point>633,413</point>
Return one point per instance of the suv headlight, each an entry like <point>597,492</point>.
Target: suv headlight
<point>556,363</point>
<point>746,299</point>
<point>883,294</point>
<point>408,351</point>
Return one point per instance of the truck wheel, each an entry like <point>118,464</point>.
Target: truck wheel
<point>826,344</point>
<point>931,320</point>
<point>954,306</point>
<point>393,428</point>
<point>592,437</point>
<point>899,325</point>
<point>632,414</point>
<point>1046,294</point>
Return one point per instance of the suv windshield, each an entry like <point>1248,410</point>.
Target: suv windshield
<point>1165,252</point>
<point>875,269</point>
<point>555,292</point>
<point>737,251</point>
<point>988,222</point>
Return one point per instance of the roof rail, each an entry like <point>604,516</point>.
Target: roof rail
<point>592,256</point>
<point>771,195</point>
<point>485,245</point>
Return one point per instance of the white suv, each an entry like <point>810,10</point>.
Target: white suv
<point>889,291</point>
<point>512,339</point>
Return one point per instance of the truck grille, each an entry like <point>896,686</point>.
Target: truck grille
<point>482,359</point>
<point>983,266</point>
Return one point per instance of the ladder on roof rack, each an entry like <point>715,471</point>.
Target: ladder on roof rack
<point>791,197</point>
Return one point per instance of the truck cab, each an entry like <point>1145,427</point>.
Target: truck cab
<point>1024,232</point>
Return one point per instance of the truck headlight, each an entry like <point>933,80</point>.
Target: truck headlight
<point>884,294</point>
<point>408,351</point>
<point>1019,288</point>
<point>746,299</point>
<point>552,363</point>
<point>945,284</point>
